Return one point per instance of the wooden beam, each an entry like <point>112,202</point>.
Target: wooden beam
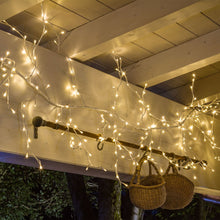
<point>126,25</point>
<point>62,167</point>
<point>176,61</point>
<point>205,191</point>
<point>95,89</point>
<point>10,8</point>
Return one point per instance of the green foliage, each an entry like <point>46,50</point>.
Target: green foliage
<point>28,193</point>
<point>116,195</point>
<point>92,190</point>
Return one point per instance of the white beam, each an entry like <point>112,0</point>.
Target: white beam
<point>176,61</point>
<point>9,8</point>
<point>127,24</point>
<point>210,192</point>
<point>95,89</point>
<point>62,167</point>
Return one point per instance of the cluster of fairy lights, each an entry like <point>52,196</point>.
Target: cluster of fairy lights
<point>108,117</point>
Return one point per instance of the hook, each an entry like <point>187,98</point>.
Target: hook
<point>100,145</point>
<point>172,156</point>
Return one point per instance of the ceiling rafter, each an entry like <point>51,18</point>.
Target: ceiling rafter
<point>176,61</point>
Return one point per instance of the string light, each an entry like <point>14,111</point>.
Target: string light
<point>190,113</point>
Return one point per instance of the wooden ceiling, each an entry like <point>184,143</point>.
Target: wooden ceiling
<point>139,31</point>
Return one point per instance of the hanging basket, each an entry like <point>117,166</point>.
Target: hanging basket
<point>148,193</point>
<point>179,190</point>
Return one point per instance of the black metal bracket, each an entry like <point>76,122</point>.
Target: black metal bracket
<point>37,122</point>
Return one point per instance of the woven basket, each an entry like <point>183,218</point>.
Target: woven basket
<point>179,190</point>
<point>148,193</point>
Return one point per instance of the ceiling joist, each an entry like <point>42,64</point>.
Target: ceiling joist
<point>176,61</point>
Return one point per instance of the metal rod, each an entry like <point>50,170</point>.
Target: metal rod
<point>38,122</point>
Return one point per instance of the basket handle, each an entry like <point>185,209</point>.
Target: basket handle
<point>173,168</point>
<point>138,169</point>
<point>151,164</point>
<point>139,166</point>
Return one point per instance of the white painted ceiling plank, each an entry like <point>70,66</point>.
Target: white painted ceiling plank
<point>153,43</point>
<point>89,9</point>
<point>10,8</point>
<point>214,14</point>
<point>204,88</point>
<point>32,27</point>
<point>187,78</point>
<point>199,24</point>
<point>116,3</point>
<point>175,34</point>
<point>58,15</point>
